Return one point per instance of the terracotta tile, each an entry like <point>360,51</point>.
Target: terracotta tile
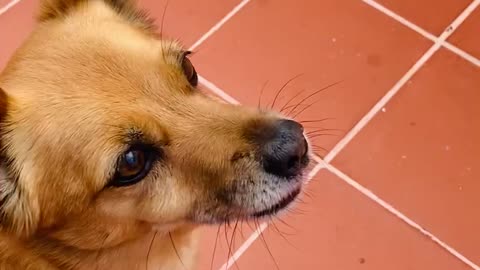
<point>15,25</point>
<point>431,15</point>
<point>276,40</point>
<point>342,229</point>
<point>421,154</point>
<point>185,20</point>
<point>3,3</point>
<point>227,242</point>
<point>467,36</point>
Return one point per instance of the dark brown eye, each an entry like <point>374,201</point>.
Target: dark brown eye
<point>189,70</point>
<point>132,166</point>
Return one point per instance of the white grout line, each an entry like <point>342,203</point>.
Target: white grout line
<point>317,159</point>
<point>405,78</point>
<point>425,33</point>
<point>459,20</point>
<point>8,6</point>
<point>216,90</point>
<point>251,239</point>
<point>380,104</point>
<point>399,215</point>
<point>400,19</point>
<point>321,163</point>
<point>220,23</point>
<point>462,53</point>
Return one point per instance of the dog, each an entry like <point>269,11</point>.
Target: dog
<point>109,153</point>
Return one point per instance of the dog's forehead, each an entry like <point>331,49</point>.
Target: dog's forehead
<point>107,72</point>
<point>106,58</point>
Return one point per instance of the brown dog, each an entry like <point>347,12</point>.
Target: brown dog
<point>106,144</point>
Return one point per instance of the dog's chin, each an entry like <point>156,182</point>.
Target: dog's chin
<point>282,204</point>
<point>275,206</point>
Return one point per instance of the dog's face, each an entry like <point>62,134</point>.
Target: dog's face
<point>104,132</point>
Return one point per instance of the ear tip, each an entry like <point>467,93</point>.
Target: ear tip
<point>50,9</point>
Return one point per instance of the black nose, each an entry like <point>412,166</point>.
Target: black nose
<point>285,152</point>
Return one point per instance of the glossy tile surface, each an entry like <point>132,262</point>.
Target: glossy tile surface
<point>432,15</point>
<point>421,154</point>
<point>4,3</point>
<point>341,229</point>
<point>468,35</point>
<point>15,25</point>
<point>187,20</point>
<point>271,42</point>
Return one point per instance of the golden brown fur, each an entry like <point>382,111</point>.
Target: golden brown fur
<point>91,79</point>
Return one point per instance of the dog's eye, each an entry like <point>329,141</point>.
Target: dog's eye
<point>189,70</point>
<point>132,166</point>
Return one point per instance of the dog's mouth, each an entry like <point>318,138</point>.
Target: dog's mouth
<point>282,204</point>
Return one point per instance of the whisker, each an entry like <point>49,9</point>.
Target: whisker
<point>323,134</point>
<point>241,230</point>
<point>296,211</point>
<point>285,223</point>
<point>268,250</point>
<point>282,88</point>
<point>150,249</point>
<point>323,129</point>
<point>215,248</point>
<point>175,249</point>
<point>161,29</point>
<point>261,93</point>
<point>305,108</point>
<point>320,147</point>
<point>232,243</point>
<point>228,244</point>
<point>282,234</point>
<point>311,128</point>
<point>254,227</point>
<point>308,194</point>
<point>320,154</point>
<point>277,230</point>
<point>284,107</point>
<point>315,121</point>
<point>291,106</point>
<point>315,93</point>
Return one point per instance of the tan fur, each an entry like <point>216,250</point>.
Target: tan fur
<point>91,74</point>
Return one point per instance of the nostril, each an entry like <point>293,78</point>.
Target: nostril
<point>283,153</point>
<point>293,161</point>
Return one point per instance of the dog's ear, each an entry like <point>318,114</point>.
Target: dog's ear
<point>17,211</point>
<point>51,9</point>
<point>3,104</point>
<point>54,9</point>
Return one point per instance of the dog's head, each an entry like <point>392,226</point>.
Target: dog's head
<point>104,131</point>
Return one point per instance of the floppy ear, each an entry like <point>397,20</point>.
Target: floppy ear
<point>17,213</point>
<point>51,9</point>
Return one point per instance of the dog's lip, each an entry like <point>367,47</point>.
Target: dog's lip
<point>282,204</point>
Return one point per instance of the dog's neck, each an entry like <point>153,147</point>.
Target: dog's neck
<point>152,250</point>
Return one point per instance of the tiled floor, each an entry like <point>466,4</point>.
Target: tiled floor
<point>399,187</point>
